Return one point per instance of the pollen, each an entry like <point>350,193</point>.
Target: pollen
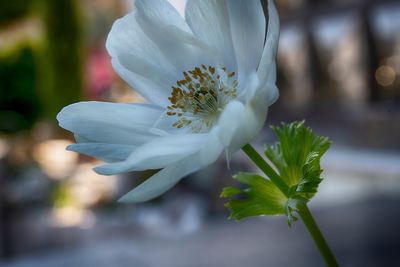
<point>200,96</point>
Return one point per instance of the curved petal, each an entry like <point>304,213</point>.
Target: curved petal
<point>161,12</point>
<point>270,92</point>
<point>111,123</point>
<point>153,71</point>
<point>151,91</point>
<point>161,22</point>
<point>261,93</point>
<point>163,180</point>
<point>255,113</point>
<point>209,21</point>
<point>212,147</point>
<point>230,121</point>
<point>156,154</point>
<point>103,151</point>
<point>127,37</point>
<point>132,53</point>
<point>267,67</point>
<point>240,123</point>
<point>249,126</point>
<point>247,22</point>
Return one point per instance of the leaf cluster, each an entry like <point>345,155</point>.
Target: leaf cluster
<point>296,156</point>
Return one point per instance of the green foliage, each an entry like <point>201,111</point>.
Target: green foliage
<point>61,196</point>
<point>297,153</point>
<point>19,102</point>
<point>296,156</point>
<point>61,57</point>
<point>38,79</point>
<point>11,10</point>
<point>261,197</point>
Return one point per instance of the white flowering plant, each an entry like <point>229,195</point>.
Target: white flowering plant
<point>208,78</point>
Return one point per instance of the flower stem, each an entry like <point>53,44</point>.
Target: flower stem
<point>316,234</point>
<point>303,211</point>
<point>266,168</point>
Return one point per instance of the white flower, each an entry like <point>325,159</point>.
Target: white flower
<point>208,78</point>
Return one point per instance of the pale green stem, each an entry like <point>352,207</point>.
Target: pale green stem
<point>316,234</point>
<point>266,168</point>
<point>303,211</point>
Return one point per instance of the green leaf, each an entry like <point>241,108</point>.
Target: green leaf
<point>296,156</point>
<point>261,197</point>
<point>230,191</point>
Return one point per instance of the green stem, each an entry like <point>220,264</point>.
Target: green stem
<point>266,168</point>
<point>316,234</point>
<point>303,211</point>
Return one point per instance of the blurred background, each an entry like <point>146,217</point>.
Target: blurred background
<point>339,68</point>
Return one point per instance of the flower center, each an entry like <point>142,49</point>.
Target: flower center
<point>198,99</point>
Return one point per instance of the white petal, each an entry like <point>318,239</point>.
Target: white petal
<point>160,12</point>
<point>271,92</point>
<point>267,67</point>
<point>163,180</point>
<point>254,115</point>
<point>212,147</point>
<point>230,122</point>
<point>102,151</point>
<point>134,57</point>
<point>247,23</point>
<point>209,21</point>
<point>259,93</point>
<point>157,154</point>
<point>168,30</point>
<point>127,37</point>
<point>150,90</point>
<point>241,123</point>
<point>163,76</point>
<point>248,126</point>
<point>109,122</point>
<point>80,139</point>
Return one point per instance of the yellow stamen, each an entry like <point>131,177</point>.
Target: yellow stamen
<point>199,98</point>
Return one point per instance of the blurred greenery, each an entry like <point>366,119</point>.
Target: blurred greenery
<point>38,79</point>
<point>19,103</point>
<point>61,58</point>
<point>11,10</point>
<point>61,196</point>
